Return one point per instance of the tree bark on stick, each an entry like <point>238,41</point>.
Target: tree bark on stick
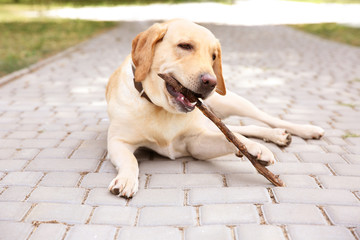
<point>274,179</point>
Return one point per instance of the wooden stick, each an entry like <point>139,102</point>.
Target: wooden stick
<point>259,165</point>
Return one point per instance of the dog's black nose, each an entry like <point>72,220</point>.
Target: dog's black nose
<point>208,82</point>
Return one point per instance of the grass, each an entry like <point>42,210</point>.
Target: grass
<point>25,40</point>
<point>333,31</point>
<point>350,135</point>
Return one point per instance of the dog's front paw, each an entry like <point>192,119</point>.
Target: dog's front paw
<point>280,137</point>
<point>310,132</point>
<point>124,185</point>
<point>262,153</point>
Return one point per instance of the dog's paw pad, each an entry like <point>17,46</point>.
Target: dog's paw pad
<point>124,186</point>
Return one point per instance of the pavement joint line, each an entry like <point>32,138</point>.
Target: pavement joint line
<point>182,232</point>
<point>197,209</point>
<point>331,170</point>
<point>82,175</point>
<point>352,230</point>
<point>147,181</point>
<point>232,232</point>
<point>224,180</point>
<point>91,214</point>
<point>35,187</point>
<point>28,212</point>
<point>186,197</point>
<point>117,232</point>
<point>271,194</point>
<point>285,232</point>
<point>356,195</point>
<point>86,195</point>
<point>260,213</point>
<point>136,222</point>
<point>316,180</point>
<point>328,221</point>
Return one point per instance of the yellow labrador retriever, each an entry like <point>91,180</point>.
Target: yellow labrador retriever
<point>144,111</point>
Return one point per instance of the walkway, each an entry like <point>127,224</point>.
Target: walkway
<point>54,172</point>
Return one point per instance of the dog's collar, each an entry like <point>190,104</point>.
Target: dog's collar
<point>138,85</point>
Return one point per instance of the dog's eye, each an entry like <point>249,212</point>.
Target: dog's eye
<point>185,46</point>
<point>214,56</point>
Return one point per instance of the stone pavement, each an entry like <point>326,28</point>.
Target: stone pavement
<point>54,171</point>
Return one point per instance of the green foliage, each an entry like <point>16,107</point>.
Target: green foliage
<point>333,31</point>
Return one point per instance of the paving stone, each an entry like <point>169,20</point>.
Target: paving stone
<point>185,180</point>
<point>50,153</point>
<point>70,143</point>
<point>246,180</point>
<point>6,153</point>
<point>286,157</point>
<point>149,233</point>
<point>292,214</point>
<point>158,197</point>
<point>151,167</point>
<point>315,196</point>
<point>60,179</point>
<point>167,216</point>
<point>208,233</point>
<point>59,165</point>
<point>97,180</point>
<point>88,153</point>
<point>309,232</point>
<point>299,169</point>
<point>299,181</point>
<point>52,135</point>
<point>49,232</point>
<point>303,148</point>
<point>219,167</point>
<point>251,232</point>
<point>201,196</point>
<point>67,213</point>
<point>114,215</point>
<point>9,143</point>
<point>321,157</point>
<point>22,135</point>
<point>39,143</point>
<point>344,215</point>
<point>13,211</point>
<point>15,230</point>
<point>229,214</point>
<point>82,135</point>
<point>335,149</point>
<point>57,195</point>
<point>108,167</point>
<point>352,158</point>
<point>91,232</point>
<point>346,169</point>
<point>340,182</point>
<point>12,165</point>
<point>21,179</point>
<point>26,154</point>
<point>102,196</point>
<point>15,193</point>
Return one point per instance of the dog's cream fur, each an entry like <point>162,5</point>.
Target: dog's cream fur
<point>161,125</point>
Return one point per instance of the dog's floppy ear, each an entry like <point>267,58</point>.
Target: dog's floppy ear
<point>220,87</point>
<point>143,48</point>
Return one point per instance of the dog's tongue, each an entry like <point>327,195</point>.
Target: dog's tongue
<point>184,101</point>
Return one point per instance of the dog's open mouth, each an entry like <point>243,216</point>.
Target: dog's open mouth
<point>179,97</point>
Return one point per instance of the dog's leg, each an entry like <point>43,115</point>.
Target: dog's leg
<point>126,182</point>
<point>276,135</point>
<point>210,144</point>
<point>233,104</point>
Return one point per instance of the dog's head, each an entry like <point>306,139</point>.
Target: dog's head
<point>187,51</point>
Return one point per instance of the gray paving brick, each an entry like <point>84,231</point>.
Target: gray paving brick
<point>59,165</point>
<point>286,157</point>
<point>97,180</point>
<point>219,167</point>
<point>321,157</point>
<point>60,179</point>
<point>70,143</point>
<point>292,214</point>
<point>185,180</point>
<point>344,215</point>
<point>251,232</point>
<point>9,143</point>
<point>163,166</point>
<point>15,230</point>
<point>39,143</point>
<point>335,149</point>
<point>21,179</point>
<point>158,197</point>
<point>12,165</point>
<point>303,148</point>
<point>167,216</point>
<point>107,166</point>
<point>201,196</point>
<point>300,169</point>
<point>91,232</point>
<point>13,211</point>
<point>308,232</point>
<point>25,154</point>
<point>57,195</point>
<point>49,232</point>
<point>50,153</point>
<point>15,193</point>
<point>83,135</point>
<point>208,233</point>
<point>114,215</point>
<point>352,158</point>
<point>102,196</point>
<point>246,180</point>
<point>6,153</point>
<point>315,196</point>
<point>346,169</point>
<point>229,214</point>
<point>340,182</point>
<point>22,135</point>
<point>67,213</point>
<point>149,233</point>
<point>88,153</point>
<point>299,181</point>
<point>52,135</point>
